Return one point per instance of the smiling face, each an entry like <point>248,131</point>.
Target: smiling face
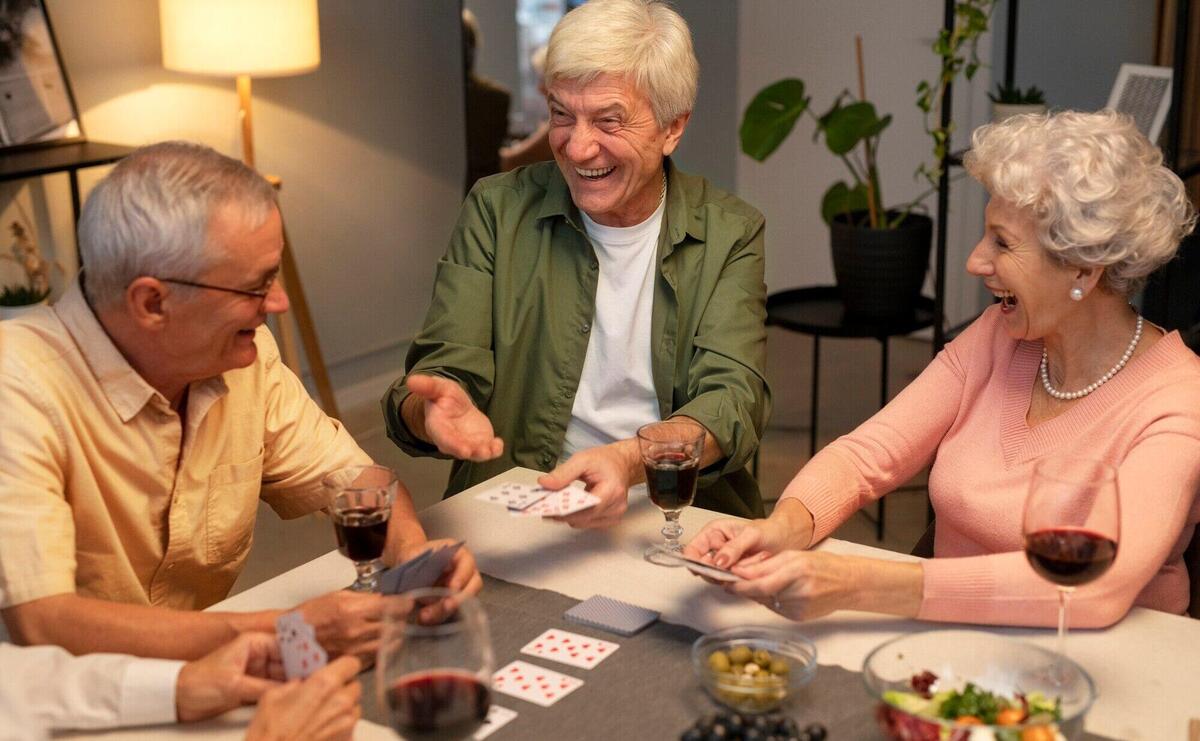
<point>1033,287</point>
<point>609,147</point>
<point>213,331</point>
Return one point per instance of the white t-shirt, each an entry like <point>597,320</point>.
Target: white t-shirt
<point>616,389</point>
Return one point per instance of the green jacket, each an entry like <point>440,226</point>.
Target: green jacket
<point>513,302</point>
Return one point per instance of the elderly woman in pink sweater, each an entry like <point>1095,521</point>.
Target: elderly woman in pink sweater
<point>1081,212</point>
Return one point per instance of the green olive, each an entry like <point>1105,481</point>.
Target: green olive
<point>740,654</point>
<point>779,667</point>
<point>762,657</point>
<point>718,661</point>
<point>738,669</point>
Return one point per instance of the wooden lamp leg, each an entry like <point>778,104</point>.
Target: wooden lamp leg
<point>308,333</point>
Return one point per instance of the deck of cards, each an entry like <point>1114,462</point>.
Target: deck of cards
<point>528,500</point>
<point>420,571</point>
<point>301,653</point>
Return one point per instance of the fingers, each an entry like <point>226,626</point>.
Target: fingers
<point>566,472</point>
<point>464,574</point>
<point>607,513</point>
<point>710,538</point>
<point>431,387</point>
<point>746,540</point>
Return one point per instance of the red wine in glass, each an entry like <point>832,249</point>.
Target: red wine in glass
<point>671,452</point>
<point>438,704</point>
<point>1069,556</point>
<point>361,532</point>
<point>671,480</point>
<point>360,502</point>
<point>1071,526</point>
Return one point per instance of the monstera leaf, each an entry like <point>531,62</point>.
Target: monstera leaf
<point>846,126</point>
<point>770,117</point>
<point>841,198</point>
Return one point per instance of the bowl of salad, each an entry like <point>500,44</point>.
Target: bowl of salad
<point>965,685</point>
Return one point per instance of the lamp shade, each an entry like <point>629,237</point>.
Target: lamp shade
<point>263,38</point>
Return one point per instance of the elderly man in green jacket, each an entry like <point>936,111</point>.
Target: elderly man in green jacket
<point>583,298</point>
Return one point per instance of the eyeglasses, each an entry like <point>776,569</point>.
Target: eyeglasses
<point>261,295</point>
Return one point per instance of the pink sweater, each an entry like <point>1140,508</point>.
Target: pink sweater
<point>966,413</point>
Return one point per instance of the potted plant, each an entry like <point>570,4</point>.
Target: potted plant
<point>880,255</point>
<point>1011,101</point>
<point>17,298</point>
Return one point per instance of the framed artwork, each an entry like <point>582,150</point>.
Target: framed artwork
<point>36,104</point>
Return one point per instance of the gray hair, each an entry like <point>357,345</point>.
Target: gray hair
<point>645,41</point>
<point>1096,189</point>
<point>151,215</point>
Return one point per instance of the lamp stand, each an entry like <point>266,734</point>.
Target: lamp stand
<point>289,278</point>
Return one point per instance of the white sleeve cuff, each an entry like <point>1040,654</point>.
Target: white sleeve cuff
<point>148,692</point>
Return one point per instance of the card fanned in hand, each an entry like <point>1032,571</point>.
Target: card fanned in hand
<point>611,614</point>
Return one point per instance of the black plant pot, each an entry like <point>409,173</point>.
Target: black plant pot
<point>880,271</point>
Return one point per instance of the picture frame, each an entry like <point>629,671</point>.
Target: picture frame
<point>1143,92</point>
<point>37,106</point>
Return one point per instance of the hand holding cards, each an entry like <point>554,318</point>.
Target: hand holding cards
<point>423,570</point>
<point>700,568</point>
<point>301,653</point>
<point>528,500</point>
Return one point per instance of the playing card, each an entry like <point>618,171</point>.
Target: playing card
<point>302,654</point>
<point>513,495</point>
<point>712,571</point>
<point>570,648</point>
<point>611,614</point>
<point>420,571</point>
<point>559,504</point>
<point>497,718</point>
<point>531,682</point>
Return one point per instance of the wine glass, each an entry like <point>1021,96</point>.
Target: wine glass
<point>434,676</point>
<point>1071,526</point>
<point>361,504</point>
<point>671,453</point>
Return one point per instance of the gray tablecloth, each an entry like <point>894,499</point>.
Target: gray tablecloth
<point>645,690</point>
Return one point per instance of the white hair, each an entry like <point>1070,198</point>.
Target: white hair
<point>1096,189</point>
<point>645,41</point>
<point>151,215</point>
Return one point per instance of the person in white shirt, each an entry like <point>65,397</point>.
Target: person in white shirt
<point>44,689</point>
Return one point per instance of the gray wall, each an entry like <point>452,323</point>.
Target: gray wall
<point>709,146</point>
<point>1073,49</point>
<point>370,149</point>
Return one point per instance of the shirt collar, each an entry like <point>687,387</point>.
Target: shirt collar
<point>679,213</point>
<point>126,390</point>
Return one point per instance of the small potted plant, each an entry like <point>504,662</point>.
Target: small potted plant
<point>17,298</point>
<point>880,255</point>
<point>1011,101</point>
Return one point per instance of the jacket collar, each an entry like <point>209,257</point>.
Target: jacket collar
<point>684,215</point>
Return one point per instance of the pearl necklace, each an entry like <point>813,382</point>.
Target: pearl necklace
<point>1069,395</point>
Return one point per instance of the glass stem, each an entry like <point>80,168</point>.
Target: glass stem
<point>1064,599</point>
<point>367,570</point>
<point>672,530</point>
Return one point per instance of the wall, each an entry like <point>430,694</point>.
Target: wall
<point>1073,49</point>
<point>709,145</point>
<point>369,148</point>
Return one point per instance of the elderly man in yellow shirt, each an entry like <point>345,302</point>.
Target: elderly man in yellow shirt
<point>144,415</point>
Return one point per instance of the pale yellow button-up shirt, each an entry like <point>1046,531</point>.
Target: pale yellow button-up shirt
<point>102,491</point>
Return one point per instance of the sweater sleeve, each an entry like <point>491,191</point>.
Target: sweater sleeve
<point>1157,483</point>
<point>893,445</point>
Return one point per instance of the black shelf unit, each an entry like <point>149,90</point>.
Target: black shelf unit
<point>1165,285</point>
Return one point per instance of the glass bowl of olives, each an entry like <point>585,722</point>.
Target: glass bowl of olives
<point>753,669</point>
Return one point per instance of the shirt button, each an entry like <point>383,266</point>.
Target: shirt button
<point>585,328</point>
<point>595,266</point>
<point>566,393</point>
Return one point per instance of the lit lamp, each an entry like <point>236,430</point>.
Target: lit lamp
<point>244,38</point>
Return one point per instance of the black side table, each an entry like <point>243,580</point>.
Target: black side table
<point>818,311</point>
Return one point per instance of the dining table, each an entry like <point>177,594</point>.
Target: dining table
<point>1146,667</point>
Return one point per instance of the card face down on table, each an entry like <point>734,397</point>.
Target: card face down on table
<point>615,616</point>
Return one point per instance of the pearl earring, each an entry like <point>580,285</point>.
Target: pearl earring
<point>1076,294</point>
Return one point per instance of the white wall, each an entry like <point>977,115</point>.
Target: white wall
<point>815,42</point>
<point>370,149</point>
